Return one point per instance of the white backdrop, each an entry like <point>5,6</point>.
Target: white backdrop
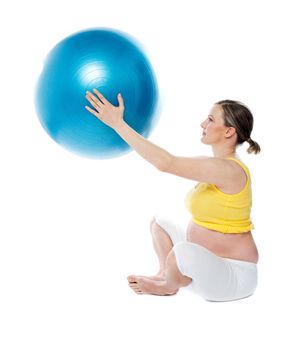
<point>72,229</point>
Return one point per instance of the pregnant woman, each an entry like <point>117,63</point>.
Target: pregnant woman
<point>215,256</point>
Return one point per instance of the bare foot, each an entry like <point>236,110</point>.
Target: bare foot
<point>144,285</point>
<point>157,277</point>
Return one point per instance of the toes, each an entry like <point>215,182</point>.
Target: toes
<point>138,291</point>
<point>134,285</point>
<point>131,279</point>
<point>139,280</point>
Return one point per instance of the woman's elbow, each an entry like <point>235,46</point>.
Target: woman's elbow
<point>165,164</point>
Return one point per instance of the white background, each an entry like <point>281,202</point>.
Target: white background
<point>72,229</point>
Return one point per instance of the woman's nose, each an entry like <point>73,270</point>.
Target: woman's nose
<point>203,124</point>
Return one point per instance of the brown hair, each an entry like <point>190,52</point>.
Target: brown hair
<point>238,116</point>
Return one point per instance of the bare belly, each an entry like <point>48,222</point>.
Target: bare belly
<point>240,246</point>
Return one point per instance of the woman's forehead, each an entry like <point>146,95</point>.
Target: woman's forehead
<point>216,111</point>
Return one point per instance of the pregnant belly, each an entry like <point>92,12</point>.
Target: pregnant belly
<point>240,246</point>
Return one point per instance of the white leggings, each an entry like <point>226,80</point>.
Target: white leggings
<point>214,278</point>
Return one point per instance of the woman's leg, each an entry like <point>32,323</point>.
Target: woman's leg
<point>215,278</point>
<point>169,279</point>
<point>164,235</point>
<point>162,245</point>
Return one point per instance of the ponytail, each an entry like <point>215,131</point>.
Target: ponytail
<point>254,146</point>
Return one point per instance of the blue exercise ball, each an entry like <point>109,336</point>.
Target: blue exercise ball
<point>110,61</point>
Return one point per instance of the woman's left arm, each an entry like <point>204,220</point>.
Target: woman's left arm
<point>220,172</point>
<point>113,117</point>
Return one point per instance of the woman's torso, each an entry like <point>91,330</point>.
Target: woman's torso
<point>233,245</point>
<point>240,246</point>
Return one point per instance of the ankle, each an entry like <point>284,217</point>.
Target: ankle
<point>169,287</point>
<point>161,273</point>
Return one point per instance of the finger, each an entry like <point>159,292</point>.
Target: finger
<point>100,96</point>
<point>120,100</point>
<point>93,98</point>
<point>92,111</point>
<point>93,103</point>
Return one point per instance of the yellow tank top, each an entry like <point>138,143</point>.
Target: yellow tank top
<point>218,211</point>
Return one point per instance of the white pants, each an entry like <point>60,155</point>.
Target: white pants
<point>213,277</point>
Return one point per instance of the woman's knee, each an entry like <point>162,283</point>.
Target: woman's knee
<point>156,228</point>
<point>153,224</point>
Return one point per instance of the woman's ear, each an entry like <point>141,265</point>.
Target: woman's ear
<point>230,132</point>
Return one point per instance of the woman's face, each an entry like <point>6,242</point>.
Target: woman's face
<point>214,130</point>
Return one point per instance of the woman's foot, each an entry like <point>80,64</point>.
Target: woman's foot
<point>157,277</point>
<point>145,285</point>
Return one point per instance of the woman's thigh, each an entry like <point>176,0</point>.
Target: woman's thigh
<point>213,277</point>
<point>175,231</point>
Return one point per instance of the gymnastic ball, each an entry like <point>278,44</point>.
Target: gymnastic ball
<point>106,59</point>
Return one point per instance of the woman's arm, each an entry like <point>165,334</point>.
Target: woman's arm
<point>154,154</point>
<point>220,172</point>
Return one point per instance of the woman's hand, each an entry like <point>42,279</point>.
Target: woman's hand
<point>113,117</point>
<point>104,110</point>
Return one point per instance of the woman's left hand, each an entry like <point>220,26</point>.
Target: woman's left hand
<point>104,110</point>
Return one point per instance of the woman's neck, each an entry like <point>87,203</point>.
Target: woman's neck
<point>222,152</point>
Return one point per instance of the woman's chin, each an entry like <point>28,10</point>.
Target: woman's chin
<point>203,140</point>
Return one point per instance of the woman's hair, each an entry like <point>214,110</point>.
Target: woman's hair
<point>237,115</point>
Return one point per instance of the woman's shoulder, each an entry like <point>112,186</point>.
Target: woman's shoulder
<point>240,164</point>
<point>241,177</point>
